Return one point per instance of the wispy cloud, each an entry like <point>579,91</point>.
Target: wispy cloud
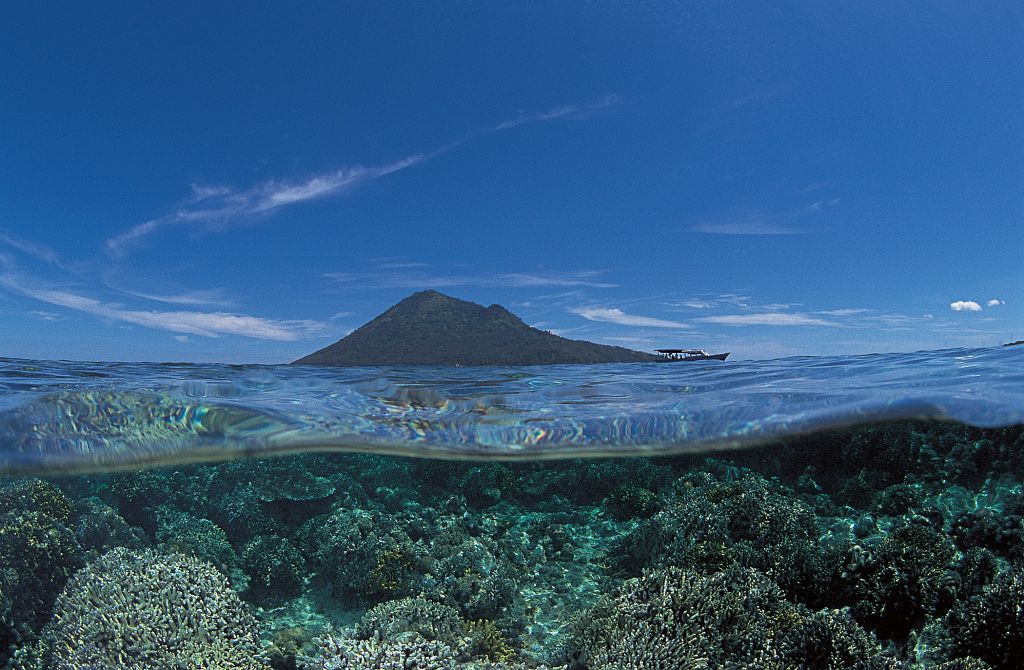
<point>221,207</point>
<point>45,316</point>
<point>34,249</point>
<point>617,316</point>
<point>765,223</point>
<point>746,226</point>
<point>215,297</point>
<point>767,319</point>
<point>414,278</point>
<point>846,311</point>
<point>578,110</point>
<point>695,304</point>
<point>206,324</point>
<point>964,306</point>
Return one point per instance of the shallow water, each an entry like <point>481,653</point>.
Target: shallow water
<point>823,513</point>
<point>61,416</point>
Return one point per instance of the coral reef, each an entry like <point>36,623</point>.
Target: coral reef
<point>890,547</point>
<point>143,610</point>
<point>990,626</point>
<point>366,556</point>
<point>672,618</point>
<point>275,568</point>
<point>37,556</point>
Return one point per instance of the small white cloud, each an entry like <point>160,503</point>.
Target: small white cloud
<point>45,316</point>
<point>995,303</point>
<point>182,338</point>
<point>965,306</point>
<point>617,316</point>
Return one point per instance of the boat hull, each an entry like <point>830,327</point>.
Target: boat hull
<point>696,357</point>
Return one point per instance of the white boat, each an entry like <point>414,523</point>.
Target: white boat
<point>673,355</point>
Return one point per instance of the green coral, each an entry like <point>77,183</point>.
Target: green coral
<point>628,501</point>
<point>990,625</point>
<point>275,568</point>
<point>36,495</point>
<point>907,578</point>
<point>707,524</point>
<point>37,556</point>
<point>485,640</point>
<point>367,557</point>
<point>180,532</point>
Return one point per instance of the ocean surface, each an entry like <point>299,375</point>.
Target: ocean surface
<point>60,416</point>
<point>811,512</point>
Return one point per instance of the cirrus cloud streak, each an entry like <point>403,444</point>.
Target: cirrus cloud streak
<point>205,324</point>
<point>617,316</point>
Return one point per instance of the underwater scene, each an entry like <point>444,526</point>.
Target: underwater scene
<point>816,512</point>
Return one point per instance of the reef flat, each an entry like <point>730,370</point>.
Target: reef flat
<point>895,545</point>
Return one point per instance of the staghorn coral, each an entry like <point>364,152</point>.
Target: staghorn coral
<point>284,647</point>
<point>410,652</point>
<point>486,485</point>
<point>628,501</point>
<point>145,611</point>
<point>672,618</point>
<point>430,620</point>
<point>1001,531</point>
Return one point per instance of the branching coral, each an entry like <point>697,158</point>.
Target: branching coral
<point>707,524</point>
<point>893,588</point>
<point>37,555</point>
<point>990,626</point>
<point>671,618</point>
<point>275,568</point>
<point>411,652</point>
<point>431,620</point>
<point>146,611</point>
<point>365,556</point>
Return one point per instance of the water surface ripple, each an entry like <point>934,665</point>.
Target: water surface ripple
<point>58,416</point>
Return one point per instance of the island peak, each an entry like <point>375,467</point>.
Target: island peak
<point>431,328</point>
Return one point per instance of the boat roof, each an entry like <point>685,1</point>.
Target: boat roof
<point>680,351</point>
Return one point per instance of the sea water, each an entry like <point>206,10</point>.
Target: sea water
<point>812,512</point>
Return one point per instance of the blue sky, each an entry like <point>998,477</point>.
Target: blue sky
<point>247,182</point>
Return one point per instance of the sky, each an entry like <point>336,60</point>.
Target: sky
<point>249,182</point>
